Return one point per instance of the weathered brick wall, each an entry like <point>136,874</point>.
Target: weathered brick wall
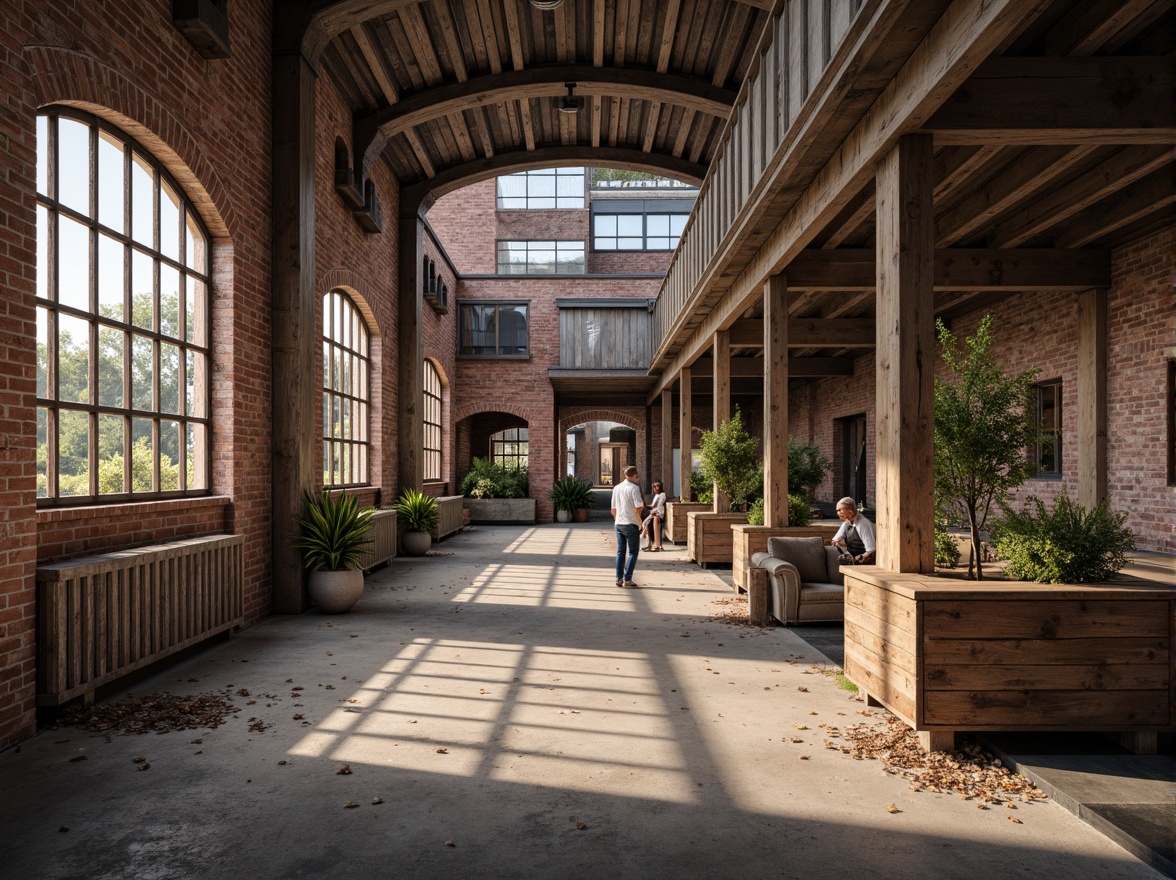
<point>439,340</point>
<point>461,220</point>
<point>628,262</point>
<point>209,124</point>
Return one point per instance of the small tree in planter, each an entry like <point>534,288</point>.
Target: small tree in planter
<point>983,422</point>
<point>418,513</point>
<point>807,469</point>
<point>730,460</point>
<point>1071,545</point>
<point>331,537</point>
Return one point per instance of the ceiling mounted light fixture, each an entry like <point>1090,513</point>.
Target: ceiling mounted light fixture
<point>569,103</point>
<point>547,5</point>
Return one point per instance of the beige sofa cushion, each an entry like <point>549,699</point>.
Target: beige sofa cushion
<point>807,554</point>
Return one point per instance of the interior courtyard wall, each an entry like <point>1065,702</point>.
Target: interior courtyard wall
<point>439,343</point>
<point>461,220</point>
<point>209,123</point>
<point>365,265</point>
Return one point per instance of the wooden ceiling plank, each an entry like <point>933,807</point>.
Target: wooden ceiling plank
<point>563,41</point>
<point>958,164</point>
<point>1142,23</point>
<point>528,125</point>
<point>422,155</point>
<point>489,35</point>
<point>732,43</point>
<point>375,64</point>
<point>1089,26</point>
<point>620,38</point>
<point>513,32</point>
<point>1024,176</point>
<point>683,132</point>
<point>669,29</point>
<point>1054,208</point>
<point>452,42</point>
<point>422,44</point>
<point>858,212</point>
<point>482,127</point>
<point>1026,101</point>
<point>651,126</point>
<point>595,122</point>
<point>645,33</point>
<point>461,133</point>
<point>598,33</point>
<point>614,121</point>
<point>1130,205</point>
<point>701,134</point>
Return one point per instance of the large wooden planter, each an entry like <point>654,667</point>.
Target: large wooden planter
<point>709,540</point>
<point>676,522</point>
<point>503,511</point>
<point>947,655</point>
<point>749,540</point>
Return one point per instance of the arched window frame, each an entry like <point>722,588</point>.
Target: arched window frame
<point>111,219</point>
<point>346,393</point>
<point>433,422</point>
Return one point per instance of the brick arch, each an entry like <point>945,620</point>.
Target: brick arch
<point>73,79</point>
<point>440,368</point>
<point>599,415</point>
<point>360,291</point>
<point>473,409</point>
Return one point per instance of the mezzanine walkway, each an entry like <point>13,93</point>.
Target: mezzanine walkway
<point>507,699</point>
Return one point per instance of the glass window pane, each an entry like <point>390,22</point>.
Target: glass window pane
<point>169,222</point>
<point>111,274</point>
<point>43,155</point>
<point>142,290</point>
<point>657,224</point>
<point>111,194</point>
<point>604,224</point>
<point>678,223</point>
<point>142,372</point>
<point>195,247</point>
<point>630,244</point>
<point>196,313</point>
<point>73,164</point>
<point>73,264</point>
<point>197,457</point>
<point>42,452</point>
<point>169,301</point>
<point>142,456</point>
<point>169,378</point>
<point>42,252</point>
<point>111,452</point>
<point>194,385</point>
<point>73,359</point>
<point>142,202</point>
<point>42,353</point>
<point>629,224</point>
<point>73,453</point>
<point>169,456</point>
<point>110,366</point>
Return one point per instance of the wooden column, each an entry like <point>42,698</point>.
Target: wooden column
<point>905,403</point>
<point>722,399</point>
<point>1092,397</point>
<point>776,402</point>
<point>410,436</point>
<point>685,417</point>
<point>667,442</point>
<point>297,388</point>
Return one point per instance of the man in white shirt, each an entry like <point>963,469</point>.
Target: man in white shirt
<point>627,504</point>
<point>855,538</point>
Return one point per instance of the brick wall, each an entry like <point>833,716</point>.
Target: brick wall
<point>461,219</point>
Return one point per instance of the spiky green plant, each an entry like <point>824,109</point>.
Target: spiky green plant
<point>333,534</point>
<point>416,511</point>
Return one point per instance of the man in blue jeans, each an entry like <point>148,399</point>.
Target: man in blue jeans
<point>627,504</point>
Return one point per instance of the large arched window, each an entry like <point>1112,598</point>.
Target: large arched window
<point>432,422</point>
<point>122,320</point>
<point>346,392</point>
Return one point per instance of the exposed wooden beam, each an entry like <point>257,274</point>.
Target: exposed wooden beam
<point>1054,208</point>
<point>598,33</point>
<point>954,166</point>
<point>774,338</point>
<point>798,367</point>
<point>1141,199</point>
<point>685,430</point>
<point>375,64</point>
<point>452,44</point>
<point>976,269</point>
<point>1100,100</point>
<point>669,29</point>
<point>651,126</point>
<point>512,31</point>
<point>422,155</point>
<point>1092,397</point>
<point>1088,26</point>
<point>594,123</point>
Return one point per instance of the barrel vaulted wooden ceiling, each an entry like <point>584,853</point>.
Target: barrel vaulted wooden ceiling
<point>447,89</point>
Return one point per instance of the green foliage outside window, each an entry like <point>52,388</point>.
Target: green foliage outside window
<point>488,480</point>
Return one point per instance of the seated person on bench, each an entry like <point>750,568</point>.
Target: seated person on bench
<point>855,538</point>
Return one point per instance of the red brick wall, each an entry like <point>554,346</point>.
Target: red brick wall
<point>439,340</point>
<point>209,124</point>
<point>628,262</point>
<point>461,220</point>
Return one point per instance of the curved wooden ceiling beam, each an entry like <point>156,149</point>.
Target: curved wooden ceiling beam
<point>373,132</point>
<point>330,18</point>
<point>415,196</point>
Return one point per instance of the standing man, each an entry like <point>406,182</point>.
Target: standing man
<point>627,504</point>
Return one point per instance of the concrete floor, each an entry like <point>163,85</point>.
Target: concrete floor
<point>498,699</point>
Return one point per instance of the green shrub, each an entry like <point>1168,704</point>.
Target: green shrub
<point>947,551</point>
<point>807,468</point>
<point>488,480</point>
<point>799,513</point>
<point>730,460</point>
<point>571,493</point>
<point>701,488</point>
<point>1071,545</point>
<point>333,534</point>
<point>416,511</point>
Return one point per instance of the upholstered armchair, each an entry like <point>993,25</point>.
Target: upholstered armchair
<point>805,584</point>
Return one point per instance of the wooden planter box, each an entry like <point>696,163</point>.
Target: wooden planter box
<point>754,539</point>
<point>503,511</point>
<point>947,655</point>
<point>709,539</point>
<point>676,523</point>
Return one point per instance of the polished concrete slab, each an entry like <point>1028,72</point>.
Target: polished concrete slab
<point>517,716</point>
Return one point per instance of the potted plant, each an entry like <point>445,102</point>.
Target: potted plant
<point>418,512</point>
<point>569,496</point>
<point>331,538</point>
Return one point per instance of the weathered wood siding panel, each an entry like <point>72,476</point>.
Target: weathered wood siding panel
<point>604,338</point>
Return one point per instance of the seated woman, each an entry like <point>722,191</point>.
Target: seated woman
<point>855,538</point>
<point>651,530</point>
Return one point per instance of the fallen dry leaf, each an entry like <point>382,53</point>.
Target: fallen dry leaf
<point>582,825</point>
<point>1014,819</point>
<point>350,805</point>
<point>344,770</point>
<point>377,800</point>
<point>891,808</point>
<point>450,843</point>
<point>442,751</point>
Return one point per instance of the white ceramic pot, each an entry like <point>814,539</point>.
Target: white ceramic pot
<point>336,591</point>
<point>563,516</point>
<point>417,543</point>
